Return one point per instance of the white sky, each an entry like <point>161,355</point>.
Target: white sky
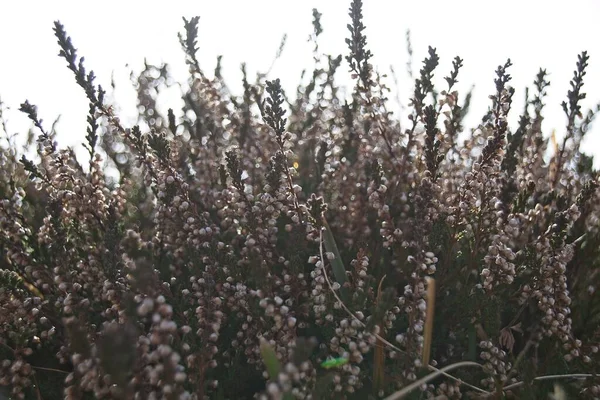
<point>111,34</point>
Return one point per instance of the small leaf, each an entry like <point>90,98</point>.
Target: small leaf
<point>338,266</point>
<point>270,359</point>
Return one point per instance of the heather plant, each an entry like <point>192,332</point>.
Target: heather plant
<point>309,246</point>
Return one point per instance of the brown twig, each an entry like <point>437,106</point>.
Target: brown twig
<point>37,388</point>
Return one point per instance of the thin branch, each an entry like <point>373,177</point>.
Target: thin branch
<point>33,366</point>
<point>403,392</point>
<point>550,377</point>
<point>51,369</point>
<point>37,388</point>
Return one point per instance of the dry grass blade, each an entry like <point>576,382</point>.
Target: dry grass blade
<point>379,357</point>
<point>428,334</point>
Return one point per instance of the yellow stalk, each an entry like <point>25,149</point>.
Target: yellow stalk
<point>429,320</point>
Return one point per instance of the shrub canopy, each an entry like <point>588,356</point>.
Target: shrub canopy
<point>255,240</point>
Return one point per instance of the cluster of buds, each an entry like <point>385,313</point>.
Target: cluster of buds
<point>294,380</point>
<point>494,364</point>
<point>499,266</point>
<point>18,374</point>
<point>361,272</point>
<point>448,390</point>
<point>319,290</point>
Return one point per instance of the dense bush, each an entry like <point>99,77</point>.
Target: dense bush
<point>251,238</point>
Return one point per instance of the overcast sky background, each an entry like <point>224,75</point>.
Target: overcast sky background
<point>112,34</point>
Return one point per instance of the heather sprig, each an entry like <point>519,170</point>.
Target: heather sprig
<point>359,57</point>
<point>423,87</point>
<point>92,130</point>
<point>452,80</point>
<point>502,101</point>
<point>432,141</point>
<point>31,111</point>
<point>572,109</point>
<point>190,42</point>
<point>273,112</point>
<point>424,84</point>
<point>69,53</point>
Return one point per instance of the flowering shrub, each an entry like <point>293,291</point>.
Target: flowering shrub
<point>254,238</point>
